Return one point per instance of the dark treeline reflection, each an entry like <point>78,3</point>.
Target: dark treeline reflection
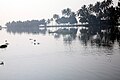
<point>68,34</point>
<point>67,38</point>
<point>104,38</point>
<point>28,30</point>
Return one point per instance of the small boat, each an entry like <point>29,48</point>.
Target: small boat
<point>4,45</point>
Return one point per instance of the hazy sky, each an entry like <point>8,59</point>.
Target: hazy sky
<point>37,9</point>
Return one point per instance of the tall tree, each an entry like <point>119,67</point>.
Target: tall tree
<point>66,12</point>
<point>48,21</point>
<point>55,16</point>
<point>72,19</point>
<point>102,13</point>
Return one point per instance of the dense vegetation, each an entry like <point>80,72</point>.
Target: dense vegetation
<point>101,15</point>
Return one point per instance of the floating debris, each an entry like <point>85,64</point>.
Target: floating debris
<point>5,40</point>
<point>34,43</point>
<point>38,43</point>
<point>34,40</point>
<point>30,39</point>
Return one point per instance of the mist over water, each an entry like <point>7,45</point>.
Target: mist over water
<point>59,40</point>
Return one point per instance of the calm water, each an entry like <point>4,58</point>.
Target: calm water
<point>43,56</point>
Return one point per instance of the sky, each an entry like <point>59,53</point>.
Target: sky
<point>15,10</point>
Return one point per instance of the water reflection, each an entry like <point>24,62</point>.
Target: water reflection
<point>68,35</point>
<point>105,38</point>
<point>65,31</point>
<point>69,38</point>
<point>34,30</point>
<point>56,35</point>
<point>65,54</point>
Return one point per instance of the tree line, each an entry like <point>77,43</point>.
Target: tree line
<point>98,16</point>
<point>102,15</point>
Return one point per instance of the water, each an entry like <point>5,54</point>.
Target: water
<point>43,56</point>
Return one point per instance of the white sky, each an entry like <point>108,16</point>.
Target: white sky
<point>37,9</point>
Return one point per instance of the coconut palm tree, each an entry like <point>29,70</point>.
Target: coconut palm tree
<point>66,12</point>
<point>56,17</point>
<point>48,21</point>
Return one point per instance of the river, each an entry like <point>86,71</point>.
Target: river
<point>44,56</point>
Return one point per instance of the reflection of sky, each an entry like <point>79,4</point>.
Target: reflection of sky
<point>36,9</point>
<point>53,59</point>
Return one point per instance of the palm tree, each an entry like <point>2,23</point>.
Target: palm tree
<point>48,21</point>
<point>43,22</point>
<point>66,12</point>
<point>83,14</point>
<point>55,16</point>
